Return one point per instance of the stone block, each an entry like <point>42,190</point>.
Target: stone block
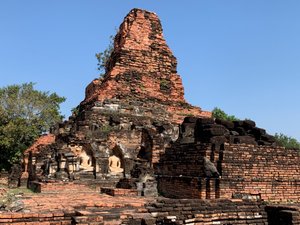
<point>228,124</point>
<point>213,130</point>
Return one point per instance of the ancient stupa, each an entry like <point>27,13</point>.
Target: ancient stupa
<point>130,115</point>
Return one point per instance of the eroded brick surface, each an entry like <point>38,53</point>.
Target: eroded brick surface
<point>42,141</point>
<point>251,168</point>
<point>74,204</point>
<point>142,67</point>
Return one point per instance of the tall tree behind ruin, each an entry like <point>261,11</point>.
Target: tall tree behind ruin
<point>25,114</point>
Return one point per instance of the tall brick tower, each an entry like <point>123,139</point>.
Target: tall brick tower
<point>143,68</point>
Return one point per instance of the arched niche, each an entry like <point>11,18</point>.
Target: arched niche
<point>116,162</point>
<point>84,155</point>
<point>146,147</point>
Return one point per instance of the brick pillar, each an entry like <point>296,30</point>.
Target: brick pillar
<point>207,188</point>
<point>217,188</point>
<point>212,186</point>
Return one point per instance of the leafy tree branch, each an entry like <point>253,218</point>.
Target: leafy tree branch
<point>25,114</point>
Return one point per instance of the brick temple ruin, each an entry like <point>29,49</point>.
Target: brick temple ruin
<point>137,153</point>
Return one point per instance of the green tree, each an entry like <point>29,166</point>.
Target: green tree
<point>75,110</point>
<point>25,114</point>
<point>102,57</point>
<point>220,114</point>
<point>286,141</point>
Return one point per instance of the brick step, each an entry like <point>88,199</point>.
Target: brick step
<point>119,191</point>
<point>113,222</point>
<point>103,183</point>
<point>112,216</point>
<point>98,184</point>
<point>76,186</point>
<point>88,219</point>
<point>59,187</point>
<point>87,176</point>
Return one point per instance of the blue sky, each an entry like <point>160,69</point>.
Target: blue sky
<point>242,56</point>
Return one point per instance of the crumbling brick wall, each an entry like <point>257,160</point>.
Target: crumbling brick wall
<point>271,172</point>
<point>255,169</point>
<point>195,211</point>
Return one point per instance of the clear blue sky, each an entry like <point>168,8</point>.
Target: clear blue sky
<point>242,56</point>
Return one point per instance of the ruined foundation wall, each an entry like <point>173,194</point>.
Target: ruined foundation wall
<point>189,187</point>
<point>272,173</point>
<point>181,175</point>
<point>224,159</point>
<point>246,171</point>
<point>195,211</point>
<point>267,173</point>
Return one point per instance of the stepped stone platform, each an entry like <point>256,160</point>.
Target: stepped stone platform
<point>79,204</point>
<point>74,204</point>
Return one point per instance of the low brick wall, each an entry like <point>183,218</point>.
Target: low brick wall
<point>196,211</point>
<point>59,217</point>
<point>40,187</point>
<point>189,187</point>
<point>246,171</point>
<point>53,217</point>
<point>164,211</point>
<point>271,172</point>
<point>119,192</point>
